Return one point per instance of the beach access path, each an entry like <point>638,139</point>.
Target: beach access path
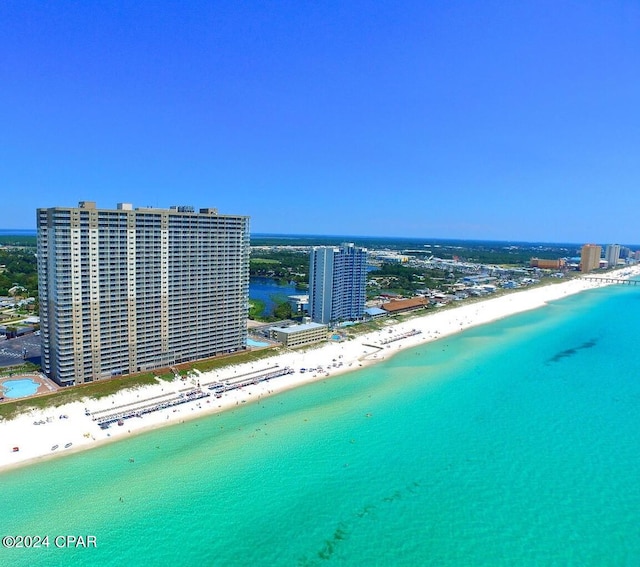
<point>42,434</point>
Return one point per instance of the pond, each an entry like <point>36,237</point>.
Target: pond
<point>271,292</point>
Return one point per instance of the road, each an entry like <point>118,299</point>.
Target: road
<point>14,351</point>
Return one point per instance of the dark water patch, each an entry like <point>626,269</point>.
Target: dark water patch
<point>344,528</point>
<point>572,351</point>
<point>366,510</point>
<point>395,496</point>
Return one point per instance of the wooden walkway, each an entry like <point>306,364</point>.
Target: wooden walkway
<point>605,279</point>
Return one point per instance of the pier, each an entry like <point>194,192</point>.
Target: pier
<point>610,280</point>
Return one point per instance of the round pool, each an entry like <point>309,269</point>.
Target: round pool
<point>19,388</point>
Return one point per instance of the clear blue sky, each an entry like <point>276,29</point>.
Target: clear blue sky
<point>476,119</point>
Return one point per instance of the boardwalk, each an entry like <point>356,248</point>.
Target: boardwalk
<point>105,421</point>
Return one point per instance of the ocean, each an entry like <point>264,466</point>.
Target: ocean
<point>514,443</point>
<point>18,232</point>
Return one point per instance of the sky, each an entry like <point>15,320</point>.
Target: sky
<point>445,119</point>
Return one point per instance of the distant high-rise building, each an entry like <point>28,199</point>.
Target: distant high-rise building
<point>128,290</point>
<point>612,255</point>
<point>590,257</point>
<point>337,283</point>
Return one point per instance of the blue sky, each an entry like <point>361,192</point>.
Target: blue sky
<point>451,119</point>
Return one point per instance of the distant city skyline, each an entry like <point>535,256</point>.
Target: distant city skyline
<point>452,120</point>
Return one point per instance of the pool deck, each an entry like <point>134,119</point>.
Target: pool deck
<point>45,386</point>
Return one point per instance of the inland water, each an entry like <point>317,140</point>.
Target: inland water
<point>271,292</point>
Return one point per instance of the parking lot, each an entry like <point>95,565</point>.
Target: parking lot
<point>15,351</point>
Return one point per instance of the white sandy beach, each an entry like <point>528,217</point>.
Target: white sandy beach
<point>41,434</point>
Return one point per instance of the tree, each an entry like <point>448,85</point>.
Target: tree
<point>283,311</point>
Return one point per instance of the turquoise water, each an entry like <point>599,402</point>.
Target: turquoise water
<point>517,443</point>
<point>254,343</point>
<point>19,388</point>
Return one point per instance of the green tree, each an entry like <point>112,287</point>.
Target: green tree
<point>256,307</point>
<point>283,311</point>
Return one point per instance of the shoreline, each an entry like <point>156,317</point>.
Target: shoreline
<point>70,428</point>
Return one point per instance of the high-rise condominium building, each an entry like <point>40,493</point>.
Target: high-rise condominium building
<point>128,290</point>
<point>612,255</point>
<point>590,257</point>
<point>337,283</point>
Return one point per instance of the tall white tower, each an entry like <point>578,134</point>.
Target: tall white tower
<point>612,255</point>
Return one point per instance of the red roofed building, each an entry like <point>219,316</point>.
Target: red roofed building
<point>402,305</point>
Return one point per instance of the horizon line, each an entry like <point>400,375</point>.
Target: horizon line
<point>378,237</point>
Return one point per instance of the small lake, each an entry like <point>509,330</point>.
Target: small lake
<point>271,291</point>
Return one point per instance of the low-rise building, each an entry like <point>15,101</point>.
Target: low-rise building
<point>402,305</point>
<point>374,312</point>
<point>545,264</point>
<point>299,335</point>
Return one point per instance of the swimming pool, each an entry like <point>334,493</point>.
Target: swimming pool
<point>253,343</point>
<point>19,388</point>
